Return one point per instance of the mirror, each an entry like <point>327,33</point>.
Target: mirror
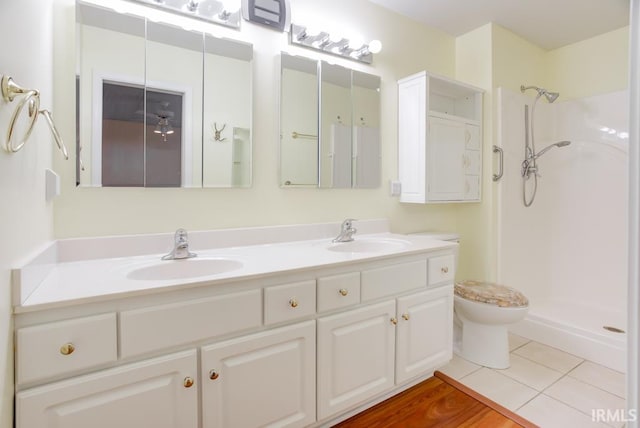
<point>160,106</point>
<point>330,125</point>
<point>298,122</point>
<point>335,126</point>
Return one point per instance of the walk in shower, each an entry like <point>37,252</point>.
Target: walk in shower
<point>567,251</point>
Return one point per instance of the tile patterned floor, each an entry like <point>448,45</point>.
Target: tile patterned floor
<point>551,388</point>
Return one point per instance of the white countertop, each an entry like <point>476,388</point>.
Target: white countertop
<point>72,282</point>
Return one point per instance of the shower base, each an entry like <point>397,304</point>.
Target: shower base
<point>579,330</point>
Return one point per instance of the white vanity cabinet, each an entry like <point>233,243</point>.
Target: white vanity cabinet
<point>355,356</point>
<point>367,351</point>
<point>439,140</point>
<point>264,379</point>
<point>289,348</point>
<point>424,334</point>
<point>156,393</point>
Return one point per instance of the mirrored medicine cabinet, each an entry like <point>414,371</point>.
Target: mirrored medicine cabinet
<point>160,106</point>
<point>329,125</point>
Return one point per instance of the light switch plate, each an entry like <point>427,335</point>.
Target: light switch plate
<point>395,188</point>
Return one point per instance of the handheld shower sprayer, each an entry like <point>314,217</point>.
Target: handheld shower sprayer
<point>529,167</point>
<point>550,146</point>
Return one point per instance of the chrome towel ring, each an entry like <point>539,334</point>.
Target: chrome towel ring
<point>31,100</point>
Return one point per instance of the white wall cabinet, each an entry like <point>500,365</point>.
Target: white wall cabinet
<point>439,140</point>
<point>260,380</point>
<point>157,393</point>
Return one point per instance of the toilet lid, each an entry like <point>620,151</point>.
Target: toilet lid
<point>493,294</point>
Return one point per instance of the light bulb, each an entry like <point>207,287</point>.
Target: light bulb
<point>375,46</point>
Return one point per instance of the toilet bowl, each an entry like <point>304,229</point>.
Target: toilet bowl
<point>482,314</point>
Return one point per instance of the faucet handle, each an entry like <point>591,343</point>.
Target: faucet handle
<point>348,223</point>
<point>181,235</point>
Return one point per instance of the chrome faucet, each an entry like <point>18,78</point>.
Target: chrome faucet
<point>346,231</point>
<point>180,247</point>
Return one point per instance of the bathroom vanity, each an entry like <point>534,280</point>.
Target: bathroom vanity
<point>266,327</point>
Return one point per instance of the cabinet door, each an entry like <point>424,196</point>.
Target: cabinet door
<point>446,159</point>
<point>261,380</point>
<point>355,357</point>
<point>425,332</point>
<point>157,393</point>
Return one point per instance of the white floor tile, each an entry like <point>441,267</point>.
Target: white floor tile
<point>602,377</point>
<point>458,367</point>
<point>549,413</point>
<point>584,397</point>
<point>516,341</point>
<point>530,373</point>
<point>548,356</point>
<point>499,388</point>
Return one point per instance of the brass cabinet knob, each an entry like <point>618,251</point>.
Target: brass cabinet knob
<point>188,382</point>
<point>213,375</point>
<point>67,349</point>
<point>343,291</point>
<point>394,321</point>
<point>406,316</point>
<point>445,269</point>
<point>293,303</point>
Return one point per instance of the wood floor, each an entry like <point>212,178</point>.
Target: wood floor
<point>437,402</point>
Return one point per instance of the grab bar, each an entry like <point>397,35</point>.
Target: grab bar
<point>10,90</point>
<point>498,150</point>
<point>295,134</point>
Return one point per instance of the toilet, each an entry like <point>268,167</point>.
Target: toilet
<point>482,313</point>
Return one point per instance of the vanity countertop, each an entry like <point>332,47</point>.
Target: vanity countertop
<point>70,282</point>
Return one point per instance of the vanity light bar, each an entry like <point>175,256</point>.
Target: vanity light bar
<point>340,46</point>
<point>226,13</point>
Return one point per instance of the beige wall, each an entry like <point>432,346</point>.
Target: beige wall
<point>408,48</point>
<point>591,67</point>
<point>26,219</point>
<point>484,58</point>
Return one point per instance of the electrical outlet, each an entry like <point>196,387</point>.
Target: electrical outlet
<point>395,188</point>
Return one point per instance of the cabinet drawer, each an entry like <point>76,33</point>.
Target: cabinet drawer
<point>441,269</point>
<point>56,348</point>
<point>289,301</point>
<point>157,327</point>
<point>338,291</point>
<point>393,279</point>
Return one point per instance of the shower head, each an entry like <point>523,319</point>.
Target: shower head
<point>550,96</point>
<point>550,146</point>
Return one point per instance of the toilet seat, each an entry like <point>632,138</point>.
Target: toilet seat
<point>490,293</point>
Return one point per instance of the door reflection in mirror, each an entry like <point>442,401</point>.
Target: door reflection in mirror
<point>186,82</point>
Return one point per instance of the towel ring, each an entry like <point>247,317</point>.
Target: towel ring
<point>31,99</point>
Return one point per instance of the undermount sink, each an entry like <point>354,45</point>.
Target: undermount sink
<point>369,245</point>
<point>182,269</point>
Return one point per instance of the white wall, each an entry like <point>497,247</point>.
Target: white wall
<point>26,219</point>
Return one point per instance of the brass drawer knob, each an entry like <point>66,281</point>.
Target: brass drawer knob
<point>293,303</point>
<point>213,375</point>
<point>406,317</point>
<point>343,291</point>
<point>67,349</point>
<point>394,321</point>
<point>445,269</point>
<point>188,382</point>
